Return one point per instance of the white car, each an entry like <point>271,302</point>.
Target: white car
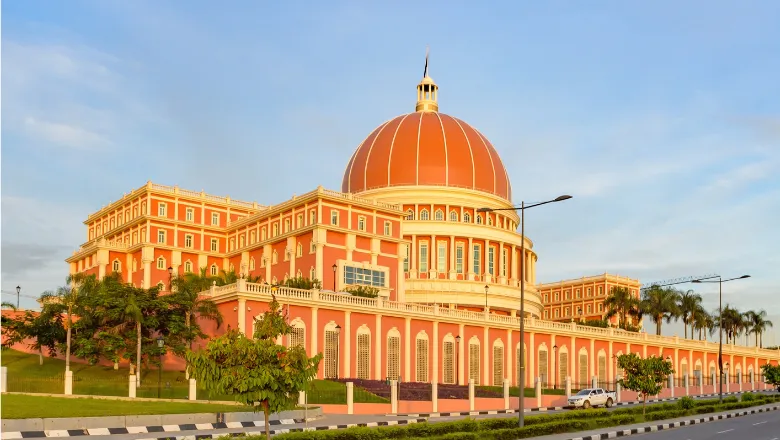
<point>592,397</point>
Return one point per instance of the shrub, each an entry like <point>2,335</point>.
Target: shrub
<point>704,409</point>
<point>661,415</point>
<point>748,397</point>
<point>730,399</point>
<point>686,403</point>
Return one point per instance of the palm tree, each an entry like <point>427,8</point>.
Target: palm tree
<point>689,304</point>
<point>701,321</point>
<point>758,325</point>
<point>621,303</point>
<point>661,304</point>
<point>731,322</point>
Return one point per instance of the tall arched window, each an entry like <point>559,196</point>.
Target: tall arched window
<point>448,359</point>
<point>299,250</point>
<point>330,359</point>
<point>474,355</point>
<point>424,214</point>
<point>410,214</point>
<point>251,263</point>
<point>363,353</point>
<point>543,366</point>
<point>274,258</point>
<point>297,337</point>
<point>214,270</point>
<point>117,266</point>
<point>583,368</point>
<point>188,266</point>
<point>422,357</point>
<point>439,215</point>
<point>602,368</point>
<point>453,216</point>
<point>479,219</point>
<point>563,365</point>
<point>467,218</point>
<point>393,354</point>
<point>498,363</point>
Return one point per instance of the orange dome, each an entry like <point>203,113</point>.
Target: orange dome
<point>426,148</point>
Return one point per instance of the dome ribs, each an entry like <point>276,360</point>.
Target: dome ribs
<point>484,174</point>
<point>403,162</point>
<point>355,177</point>
<point>432,163</point>
<point>502,179</point>
<point>459,156</point>
<point>374,170</point>
<point>400,120</point>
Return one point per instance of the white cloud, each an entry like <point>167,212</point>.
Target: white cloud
<point>64,134</point>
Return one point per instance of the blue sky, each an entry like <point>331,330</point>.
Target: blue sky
<point>662,119</point>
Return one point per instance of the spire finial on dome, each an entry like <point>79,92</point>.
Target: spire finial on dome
<point>427,91</point>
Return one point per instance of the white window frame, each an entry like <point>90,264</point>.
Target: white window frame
<point>441,257</point>
<point>215,217</point>
<point>189,240</point>
<point>388,228</point>
<point>334,217</point>
<point>361,223</point>
<point>424,253</point>
<point>161,263</point>
<point>459,258</point>
<point>162,209</point>
<point>161,236</point>
<point>476,256</point>
<point>189,214</point>
<point>491,260</point>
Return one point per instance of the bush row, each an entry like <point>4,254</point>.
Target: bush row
<point>546,424</point>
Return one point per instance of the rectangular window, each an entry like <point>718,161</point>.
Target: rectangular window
<point>441,257</point>
<point>423,257</point>
<point>491,259</point>
<point>459,258</point>
<point>366,277</point>
<point>188,240</point>
<point>190,214</point>
<point>587,291</point>
<point>601,291</point>
<point>334,217</point>
<point>162,209</point>
<point>312,217</point>
<point>215,219</point>
<point>406,259</point>
<point>589,309</point>
<point>214,245</point>
<point>286,225</point>
<point>299,221</point>
<point>503,262</point>
<point>388,230</point>
<point>161,236</point>
<point>477,252</point>
<point>361,223</point>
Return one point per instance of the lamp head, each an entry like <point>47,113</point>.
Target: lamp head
<point>170,270</point>
<point>457,338</point>
<point>334,267</point>
<point>338,328</point>
<point>486,288</point>
<point>484,209</point>
<point>562,198</point>
<point>696,281</point>
<point>160,342</point>
<point>744,276</point>
<point>18,289</point>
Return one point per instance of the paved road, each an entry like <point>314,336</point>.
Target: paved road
<point>763,426</point>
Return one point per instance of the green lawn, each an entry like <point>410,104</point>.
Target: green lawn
<point>25,375</point>
<point>16,406</point>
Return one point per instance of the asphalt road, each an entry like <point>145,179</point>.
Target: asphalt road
<point>762,426</point>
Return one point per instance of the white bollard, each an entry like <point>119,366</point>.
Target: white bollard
<point>671,384</point>
<point>350,398</point>
<point>594,382</point>
<point>538,392</point>
<point>617,389</point>
<point>435,397</point>
<point>68,383</point>
<point>394,397</point>
<point>302,398</point>
<point>568,387</point>
<point>685,380</point>
<point>3,379</point>
<point>193,395</point>
<point>471,394</point>
<point>132,382</point>
<point>506,393</point>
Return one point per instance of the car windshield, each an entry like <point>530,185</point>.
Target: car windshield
<point>583,393</point>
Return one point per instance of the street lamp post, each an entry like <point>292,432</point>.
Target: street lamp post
<point>338,346</point>
<point>720,327</point>
<point>160,345</point>
<point>457,358</point>
<point>486,296</point>
<point>555,372</point>
<point>18,291</point>
<point>334,267</point>
<point>522,208</point>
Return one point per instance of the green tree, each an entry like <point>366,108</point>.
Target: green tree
<point>771,374</point>
<point>43,330</point>
<point>257,372</point>
<point>689,305</point>
<point>702,322</point>
<point>758,325</point>
<point>621,303</point>
<point>363,291</point>
<point>644,376</point>
<point>731,322</point>
<point>303,283</point>
<point>661,304</point>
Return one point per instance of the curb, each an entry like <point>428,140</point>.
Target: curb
<point>148,429</point>
<point>661,427</point>
<point>554,408</point>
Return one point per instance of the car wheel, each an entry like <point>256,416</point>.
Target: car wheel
<point>586,404</point>
<point>609,403</point>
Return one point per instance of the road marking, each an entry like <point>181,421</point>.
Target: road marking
<point>728,430</point>
<point>760,423</point>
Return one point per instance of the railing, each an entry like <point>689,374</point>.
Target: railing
<point>463,315</point>
<point>349,196</point>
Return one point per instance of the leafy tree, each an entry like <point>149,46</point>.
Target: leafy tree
<point>644,376</point>
<point>621,303</point>
<point>689,305</point>
<point>44,330</point>
<point>363,291</point>
<point>595,323</point>
<point>303,283</point>
<point>661,304</point>
<point>771,374</point>
<point>258,372</point>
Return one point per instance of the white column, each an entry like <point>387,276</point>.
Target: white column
<point>538,392</point>
<point>132,384</point>
<point>471,394</point>
<point>617,389</point>
<point>347,355</point>
<point>378,348</point>
<point>350,398</point>
<point>69,382</point>
<point>671,383</point>
<point>394,396</point>
<point>147,273</point>
<point>314,332</point>
<point>3,379</point>
<point>451,269</point>
<point>242,315</point>
<point>486,358</point>
<point>568,386</point>
<point>506,393</point>
<point>461,355</point>
<point>509,358</point>
<point>685,380</point>
<point>408,350</point>
<point>435,375</point>
<point>193,390</point>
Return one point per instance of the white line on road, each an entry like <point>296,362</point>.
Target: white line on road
<point>760,423</point>
<point>728,430</point>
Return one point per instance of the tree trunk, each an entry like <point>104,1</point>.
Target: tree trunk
<point>116,365</point>
<point>644,404</point>
<point>685,326</point>
<point>658,326</point>
<point>267,425</point>
<point>138,352</point>
<point>40,356</point>
<point>67,345</point>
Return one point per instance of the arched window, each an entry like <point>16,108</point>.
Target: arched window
<point>543,366</point>
<point>297,337</point>
<point>188,266</point>
<point>232,268</point>
<point>299,250</point>
<point>330,360</point>
<point>448,359</point>
<point>241,241</point>
<point>602,367</point>
<point>116,266</point>
<point>251,263</point>
<point>439,215</point>
<point>161,263</point>
<point>275,229</point>
<point>479,219</point>
<point>618,371</point>
<point>262,234</point>
<point>312,217</point>
<point>143,208</point>
<point>467,218</point>
<point>312,273</point>
<point>252,237</point>
<point>498,363</point>
<point>424,214</point>
<point>274,258</point>
<point>286,225</point>
<point>474,355</point>
<point>453,216</point>
<point>232,243</point>
<point>490,221</point>
<point>422,357</point>
<point>299,274</point>
<point>393,354</point>
<point>410,214</point>
<point>213,270</point>
<point>363,353</point>
<point>563,365</point>
<point>583,368</point>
